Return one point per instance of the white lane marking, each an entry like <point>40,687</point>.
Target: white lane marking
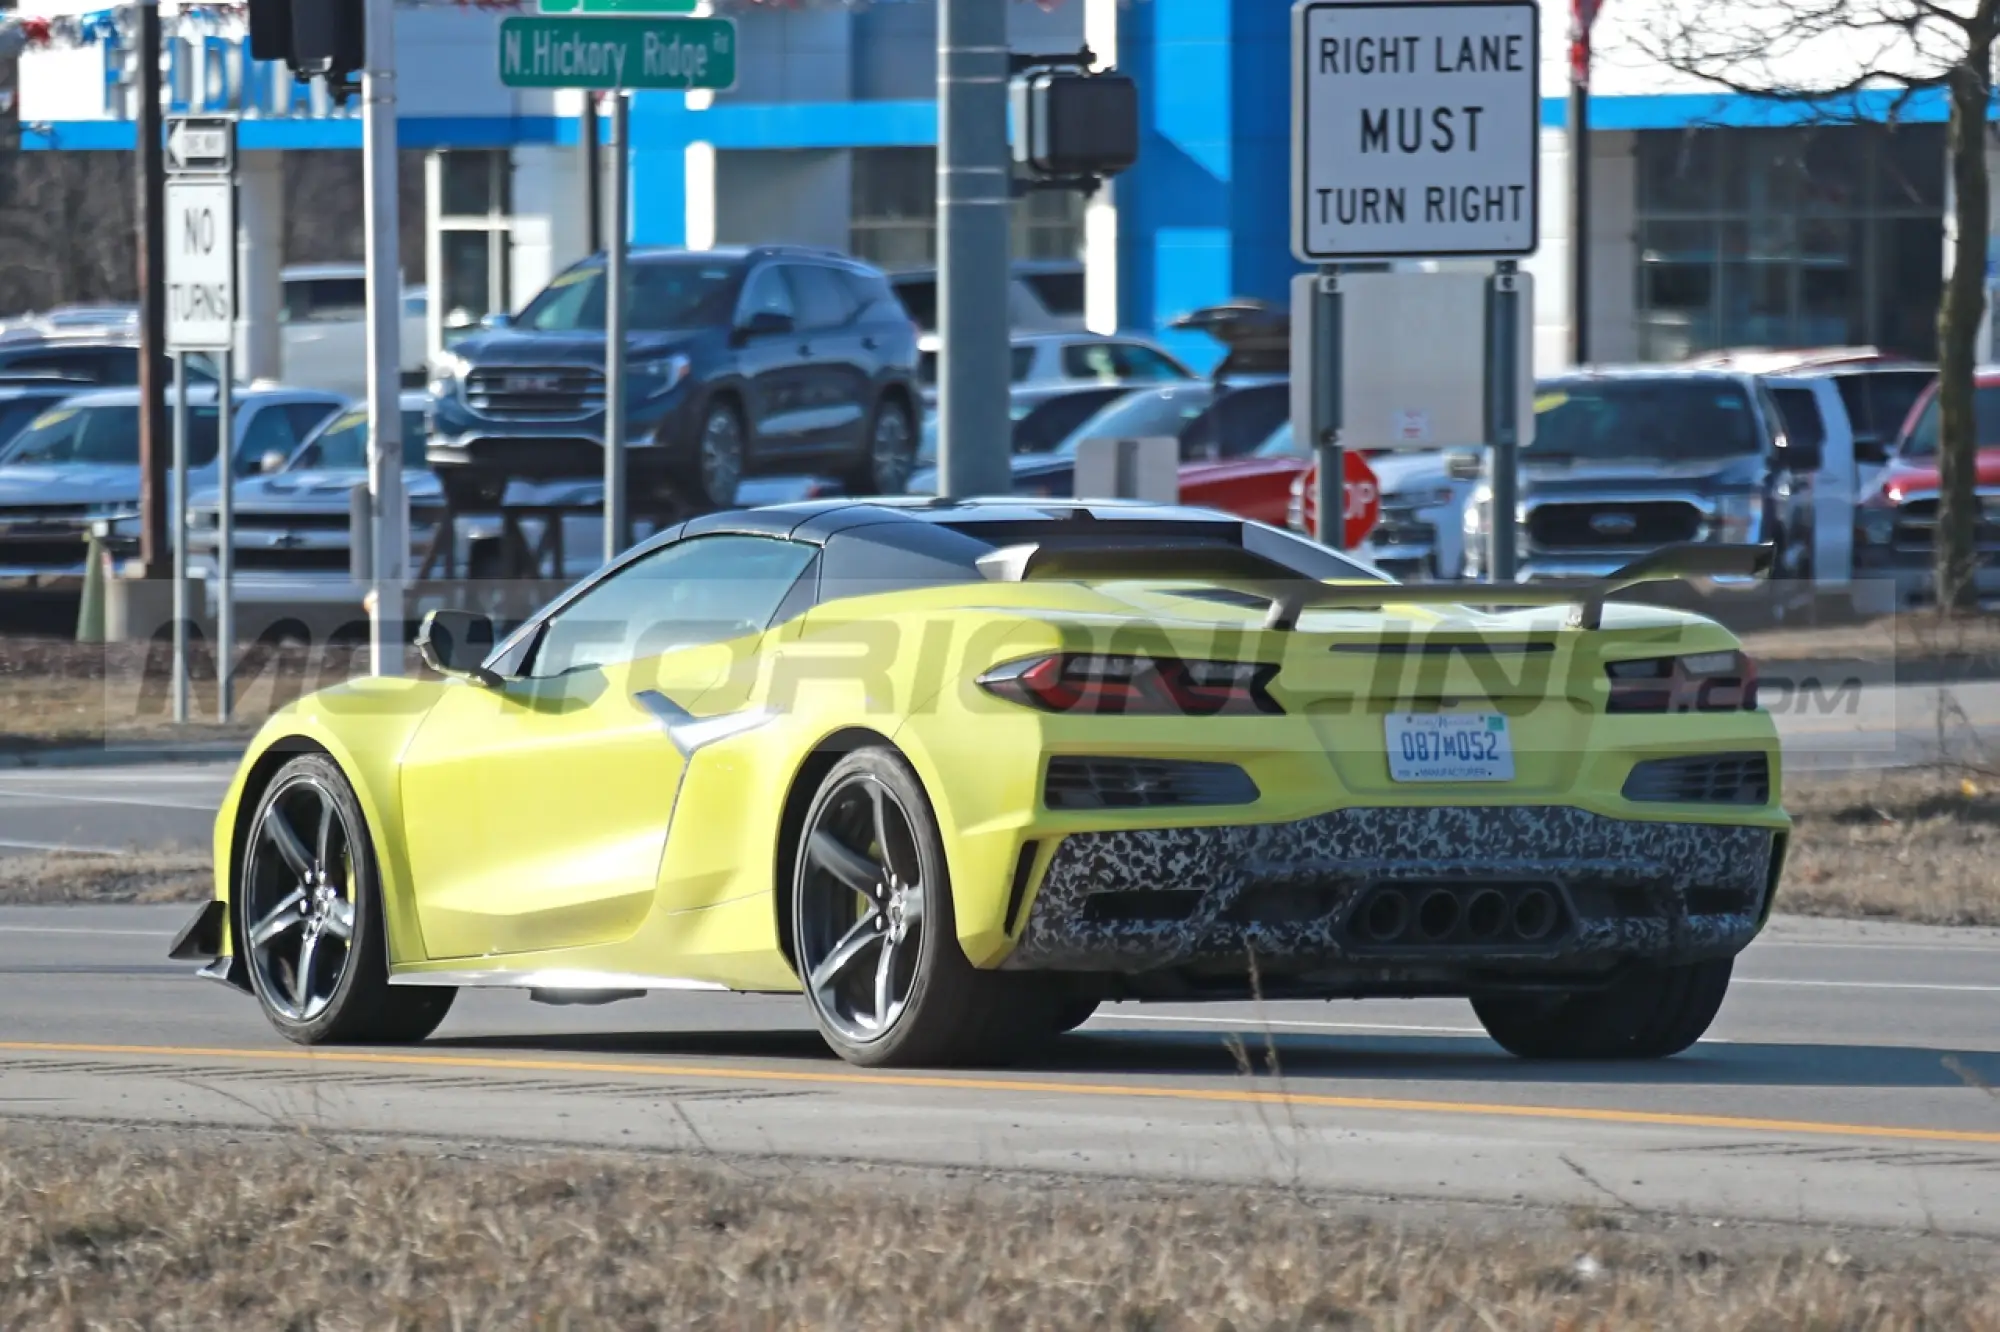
<point>1882,945</point>
<point>1870,985</point>
<point>12,845</point>
<point>57,797</point>
<point>70,929</point>
<point>1252,1024</point>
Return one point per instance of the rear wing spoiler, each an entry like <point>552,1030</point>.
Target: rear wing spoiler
<point>1232,568</point>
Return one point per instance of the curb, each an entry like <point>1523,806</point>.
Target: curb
<point>122,756</point>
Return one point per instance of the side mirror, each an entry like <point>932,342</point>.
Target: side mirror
<point>1463,466</point>
<point>456,643</point>
<point>497,320</point>
<point>273,461</point>
<point>1871,449</point>
<point>766,324</point>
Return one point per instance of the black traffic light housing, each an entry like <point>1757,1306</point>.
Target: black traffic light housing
<point>316,38</point>
<point>1072,128</point>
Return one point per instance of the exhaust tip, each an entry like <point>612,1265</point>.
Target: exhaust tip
<point>1535,914</point>
<point>1386,916</point>
<point>1486,914</point>
<point>1437,914</point>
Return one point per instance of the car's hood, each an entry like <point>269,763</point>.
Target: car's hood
<point>1626,476</point>
<point>69,483</point>
<point>518,347</point>
<point>1904,477</point>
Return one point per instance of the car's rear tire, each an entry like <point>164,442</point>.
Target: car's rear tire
<point>875,936</point>
<point>1646,1014</point>
<point>1072,1012</point>
<point>310,926</point>
<point>889,452</point>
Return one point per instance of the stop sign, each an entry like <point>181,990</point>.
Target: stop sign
<point>1363,498</point>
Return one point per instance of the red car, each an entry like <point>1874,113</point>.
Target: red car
<point>1894,524</point>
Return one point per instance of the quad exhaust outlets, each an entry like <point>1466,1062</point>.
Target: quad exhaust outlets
<point>1430,915</point>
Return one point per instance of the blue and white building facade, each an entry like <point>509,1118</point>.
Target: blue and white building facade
<point>1714,222</point>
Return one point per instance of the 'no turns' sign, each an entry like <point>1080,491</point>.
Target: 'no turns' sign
<point>201,263</point>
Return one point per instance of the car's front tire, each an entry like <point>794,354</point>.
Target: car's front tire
<point>1651,1013</point>
<point>874,934</point>
<point>714,468</point>
<point>889,453</point>
<point>310,918</point>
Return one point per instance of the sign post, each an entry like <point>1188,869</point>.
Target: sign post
<point>200,219</point>
<point>615,55</point>
<point>1415,135</point>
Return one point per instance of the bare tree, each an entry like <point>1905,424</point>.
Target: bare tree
<point>1829,53</point>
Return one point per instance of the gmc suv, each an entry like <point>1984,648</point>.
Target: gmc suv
<point>740,362</point>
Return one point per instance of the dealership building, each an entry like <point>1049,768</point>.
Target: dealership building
<point>1715,220</point>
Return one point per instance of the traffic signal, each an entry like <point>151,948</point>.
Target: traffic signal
<point>1070,124</point>
<point>325,38</point>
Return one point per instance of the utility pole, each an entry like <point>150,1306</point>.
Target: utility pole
<point>1583,14</point>
<point>385,352</point>
<point>155,440</point>
<point>617,508</point>
<point>975,191</point>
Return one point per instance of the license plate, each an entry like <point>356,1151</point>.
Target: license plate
<point>1449,747</point>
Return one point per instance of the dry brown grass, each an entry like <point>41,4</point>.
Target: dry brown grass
<point>1919,845</point>
<point>90,878</point>
<point>1970,642</point>
<point>100,1231</point>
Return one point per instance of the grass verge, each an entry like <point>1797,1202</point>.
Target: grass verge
<point>59,878</point>
<point>101,1229</point>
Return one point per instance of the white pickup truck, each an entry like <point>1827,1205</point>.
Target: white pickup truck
<point>324,325</point>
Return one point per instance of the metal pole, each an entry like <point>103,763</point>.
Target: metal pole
<point>1330,480</point>
<point>150,159</point>
<point>616,507</point>
<point>225,537</point>
<point>179,490</point>
<point>385,353</point>
<point>975,192</point>
<point>1579,213</point>
<point>593,174</point>
<point>1503,406</point>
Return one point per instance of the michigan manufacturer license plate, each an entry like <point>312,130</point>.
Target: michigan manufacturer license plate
<point>1449,747</point>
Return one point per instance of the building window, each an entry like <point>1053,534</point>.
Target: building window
<point>1816,236</point>
<point>472,190</point>
<point>894,221</point>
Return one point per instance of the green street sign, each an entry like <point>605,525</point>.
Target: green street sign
<point>641,7</point>
<point>605,54</point>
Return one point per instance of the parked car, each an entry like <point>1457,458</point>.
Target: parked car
<point>774,360</point>
<point>1066,360</point>
<point>1425,495</point>
<point>85,359</point>
<point>323,323</point>
<point>1044,415</point>
<point>1625,460</point>
<point>1045,296</point>
<point>1896,522</point>
<point>21,401</point>
<point>1851,403</point>
<point>78,463</point>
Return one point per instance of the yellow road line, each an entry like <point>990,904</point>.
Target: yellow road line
<point>1213,1095</point>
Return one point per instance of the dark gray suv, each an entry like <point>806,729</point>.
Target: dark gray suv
<point>741,362</point>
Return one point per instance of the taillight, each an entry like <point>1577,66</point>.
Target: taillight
<point>1145,686</point>
<point>1705,682</point>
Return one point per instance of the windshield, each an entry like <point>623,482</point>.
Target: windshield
<point>106,435</point>
<point>343,445</point>
<point>1922,441</point>
<point>1662,419</point>
<point>660,294</point>
<point>16,415</point>
<point>1161,413</point>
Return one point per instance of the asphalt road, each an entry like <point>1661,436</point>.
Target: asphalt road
<point>120,808</point>
<point>1851,1080</point>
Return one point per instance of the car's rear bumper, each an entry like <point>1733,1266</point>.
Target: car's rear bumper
<point>1295,897</point>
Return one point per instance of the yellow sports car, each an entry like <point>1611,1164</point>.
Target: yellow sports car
<point>962,771</point>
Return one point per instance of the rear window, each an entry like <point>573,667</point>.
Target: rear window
<point>1803,422</point>
<point>1159,413</point>
<point>311,299</point>
<point>105,435</point>
<point>1923,437</point>
<point>1059,293</point>
<point>919,297</point>
<point>1023,365</point>
<point>1649,419</point>
<point>1878,405</point>
<point>1238,422</point>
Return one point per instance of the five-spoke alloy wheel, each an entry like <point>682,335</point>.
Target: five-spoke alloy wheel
<point>309,917</point>
<point>873,931</point>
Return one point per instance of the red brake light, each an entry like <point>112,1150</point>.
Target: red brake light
<point>1705,682</point>
<point>1142,686</point>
